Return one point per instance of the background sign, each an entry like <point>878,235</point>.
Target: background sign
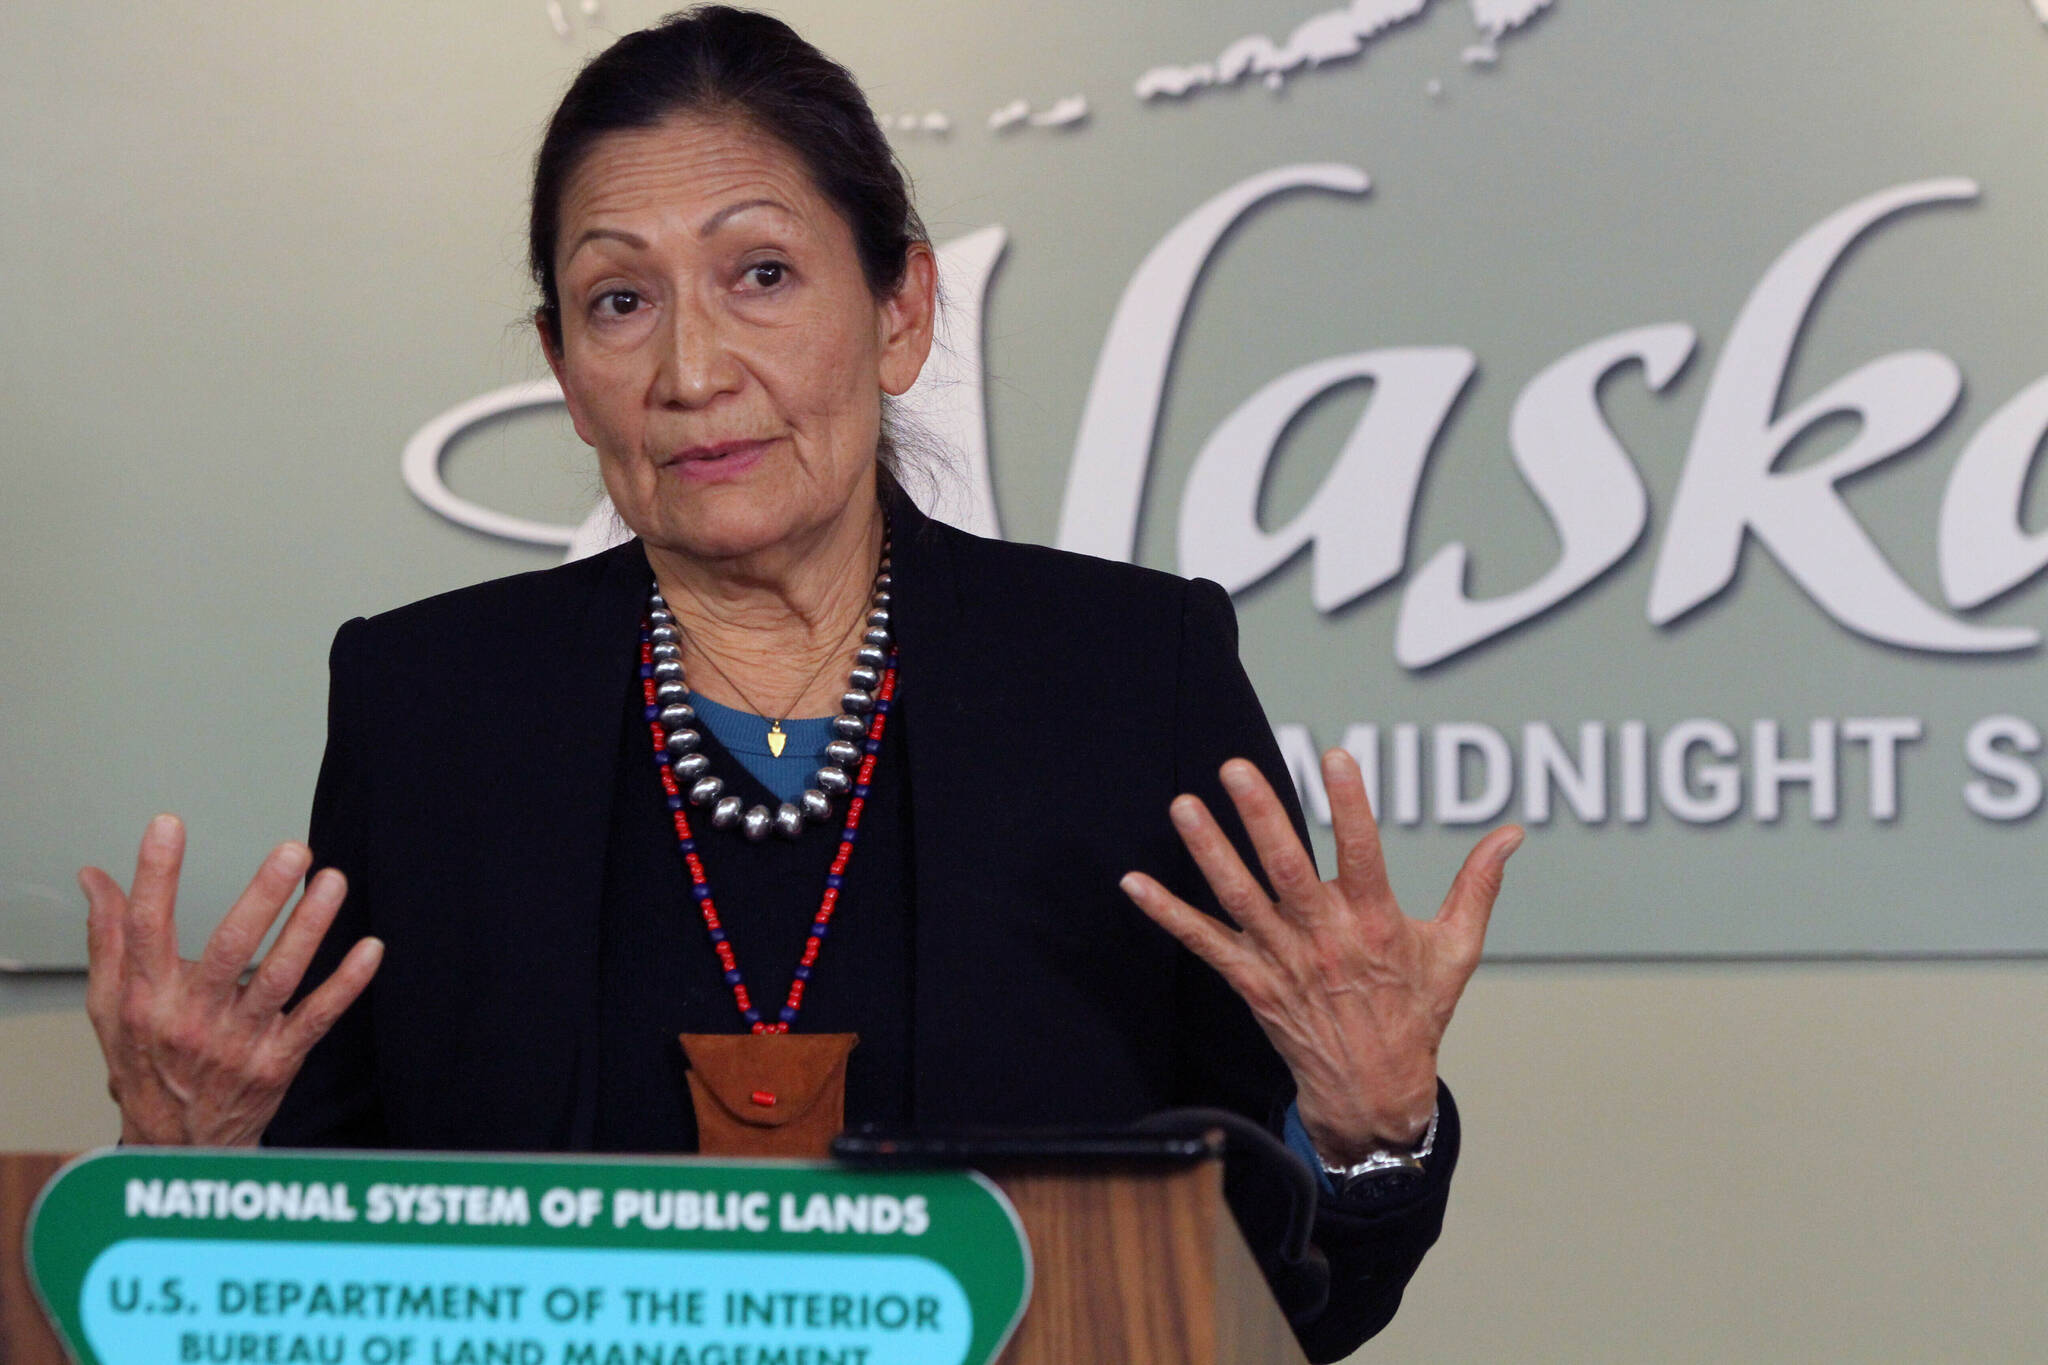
<point>1615,416</point>
<point>174,1256</point>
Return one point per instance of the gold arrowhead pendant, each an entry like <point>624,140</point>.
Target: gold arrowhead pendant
<point>776,739</point>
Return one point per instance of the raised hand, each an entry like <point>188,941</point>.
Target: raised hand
<point>1354,995</point>
<point>196,1056</point>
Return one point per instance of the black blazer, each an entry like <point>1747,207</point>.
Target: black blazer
<point>1052,706</point>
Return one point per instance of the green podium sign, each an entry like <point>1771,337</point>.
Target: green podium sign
<point>147,1256</point>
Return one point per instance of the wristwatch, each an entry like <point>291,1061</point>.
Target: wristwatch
<point>1386,1169</point>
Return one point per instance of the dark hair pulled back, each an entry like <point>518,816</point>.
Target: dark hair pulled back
<point>720,61</point>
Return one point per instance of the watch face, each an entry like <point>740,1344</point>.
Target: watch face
<point>1383,1186</point>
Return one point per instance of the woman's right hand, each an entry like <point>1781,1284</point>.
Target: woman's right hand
<point>196,1056</point>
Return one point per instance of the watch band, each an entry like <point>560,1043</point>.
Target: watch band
<point>1385,1159</point>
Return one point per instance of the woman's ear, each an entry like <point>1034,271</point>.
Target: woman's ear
<point>905,319</point>
<point>551,347</point>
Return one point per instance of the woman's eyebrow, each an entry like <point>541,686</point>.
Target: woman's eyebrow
<point>718,219</point>
<point>705,229</point>
<point>633,240</point>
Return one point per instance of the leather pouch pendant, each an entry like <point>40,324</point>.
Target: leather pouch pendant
<point>768,1094</point>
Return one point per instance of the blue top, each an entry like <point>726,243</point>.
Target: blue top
<point>745,736</point>
<point>1304,1147</point>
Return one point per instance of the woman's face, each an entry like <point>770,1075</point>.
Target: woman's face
<point>719,345</point>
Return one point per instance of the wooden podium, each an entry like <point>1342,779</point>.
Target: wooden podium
<point>25,1338</point>
<point>1130,1267</point>
<point>1140,1267</point>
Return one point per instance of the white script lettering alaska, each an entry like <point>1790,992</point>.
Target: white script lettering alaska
<point>1356,526</point>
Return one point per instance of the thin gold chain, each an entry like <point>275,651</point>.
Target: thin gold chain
<point>775,721</point>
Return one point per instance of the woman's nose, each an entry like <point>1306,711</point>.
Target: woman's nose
<point>697,365</point>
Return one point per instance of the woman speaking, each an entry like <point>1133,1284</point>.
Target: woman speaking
<point>798,803</point>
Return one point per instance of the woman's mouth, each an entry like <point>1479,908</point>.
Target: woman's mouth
<point>722,460</point>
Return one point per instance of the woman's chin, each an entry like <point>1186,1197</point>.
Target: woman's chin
<point>740,518</point>
<point>727,529</point>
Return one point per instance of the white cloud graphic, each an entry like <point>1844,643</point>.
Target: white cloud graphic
<point>1497,17</point>
<point>1070,110</point>
<point>1332,36</point>
<point>932,124</point>
<point>1009,115</point>
<point>1063,113</point>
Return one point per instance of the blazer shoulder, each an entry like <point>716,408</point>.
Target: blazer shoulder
<point>518,602</point>
<point>1062,574</point>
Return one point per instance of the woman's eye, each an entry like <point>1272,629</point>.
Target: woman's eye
<point>617,303</point>
<point>767,274</point>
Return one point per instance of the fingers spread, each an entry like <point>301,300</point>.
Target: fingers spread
<point>1469,906</point>
<point>1288,866</point>
<point>285,964</point>
<point>149,935</point>
<point>235,939</point>
<point>1216,857</point>
<point>105,906</point>
<point>316,1014</point>
<point>1214,943</point>
<point>1361,866</point>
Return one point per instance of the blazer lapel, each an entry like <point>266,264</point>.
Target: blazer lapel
<point>944,659</point>
<point>578,666</point>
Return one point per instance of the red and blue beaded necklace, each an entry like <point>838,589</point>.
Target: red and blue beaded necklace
<point>700,885</point>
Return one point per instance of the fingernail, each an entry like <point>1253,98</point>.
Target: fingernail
<point>163,826</point>
<point>1183,812</point>
<point>1130,884</point>
<point>1237,777</point>
<point>292,859</point>
<point>1509,845</point>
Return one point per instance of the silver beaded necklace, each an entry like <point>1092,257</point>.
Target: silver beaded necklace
<point>684,741</point>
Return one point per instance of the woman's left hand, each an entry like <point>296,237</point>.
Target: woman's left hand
<point>1353,993</point>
